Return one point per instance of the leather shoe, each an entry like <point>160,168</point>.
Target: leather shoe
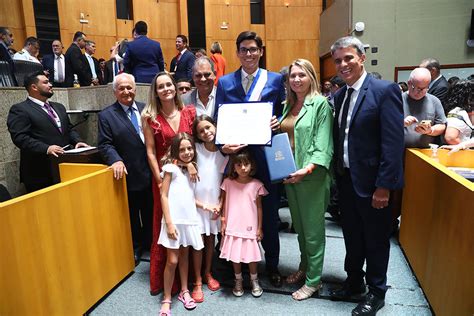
<point>137,256</point>
<point>369,306</point>
<point>275,278</point>
<point>348,293</point>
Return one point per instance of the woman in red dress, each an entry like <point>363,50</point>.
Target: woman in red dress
<point>164,116</point>
<point>218,59</point>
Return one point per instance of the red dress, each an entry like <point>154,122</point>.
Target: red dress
<point>219,66</point>
<point>163,136</point>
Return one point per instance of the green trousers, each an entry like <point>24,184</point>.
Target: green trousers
<point>308,201</point>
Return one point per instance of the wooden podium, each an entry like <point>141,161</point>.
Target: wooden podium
<point>89,156</point>
<point>436,228</point>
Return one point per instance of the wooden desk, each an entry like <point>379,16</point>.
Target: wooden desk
<point>436,231</point>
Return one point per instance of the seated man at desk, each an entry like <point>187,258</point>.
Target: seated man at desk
<point>40,128</point>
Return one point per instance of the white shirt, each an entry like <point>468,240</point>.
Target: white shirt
<point>41,103</point>
<point>91,65</point>
<point>56,67</point>
<point>207,109</point>
<point>24,55</point>
<point>244,78</point>
<point>356,86</point>
<point>137,113</point>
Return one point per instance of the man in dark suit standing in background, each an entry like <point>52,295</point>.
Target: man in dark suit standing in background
<point>182,64</point>
<point>55,65</point>
<point>369,144</point>
<point>143,57</point>
<point>121,144</point>
<point>6,40</point>
<point>75,63</point>
<point>439,85</point>
<point>40,128</point>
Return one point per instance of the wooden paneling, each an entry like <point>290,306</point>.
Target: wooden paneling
<point>162,17</point>
<point>282,53</point>
<point>64,253</point>
<point>124,29</point>
<point>293,3</point>
<point>328,69</point>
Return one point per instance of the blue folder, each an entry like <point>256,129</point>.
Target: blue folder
<point>279,157</point>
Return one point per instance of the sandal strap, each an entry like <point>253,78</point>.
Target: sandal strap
<point>296,276</point>
<point>166,302</point>
<point>306,291</point>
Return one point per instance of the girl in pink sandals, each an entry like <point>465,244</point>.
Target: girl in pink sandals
<point>241,220</point>
<point>180,224</point>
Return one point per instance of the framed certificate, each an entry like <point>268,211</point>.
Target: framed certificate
<point>244,123</point>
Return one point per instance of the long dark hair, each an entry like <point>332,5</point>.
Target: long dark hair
<point>197,120</point>
<point>172,156</point>
<point>243,156</point>
<point>461,94</point>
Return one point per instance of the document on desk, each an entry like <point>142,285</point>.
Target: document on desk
<point>79,150</point>
<point>244,123</point>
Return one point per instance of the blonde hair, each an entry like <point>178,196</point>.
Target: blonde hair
<point>314,84</point>
<point>153,107</point>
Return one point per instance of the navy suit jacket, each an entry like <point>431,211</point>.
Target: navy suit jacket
<point>184,68</point>
<point>440,90</point>
<point>230,90</point>
<point>143,59</point>
<point>76,64</point>
<point>118,141</point>
<point>33,131</point>
<point>376,139</point>
<point>48,64</point>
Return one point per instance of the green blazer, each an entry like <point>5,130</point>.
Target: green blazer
<point>313,132</point>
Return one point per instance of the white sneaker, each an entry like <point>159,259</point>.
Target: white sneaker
<point>256,288</point>
<point>238,289</point>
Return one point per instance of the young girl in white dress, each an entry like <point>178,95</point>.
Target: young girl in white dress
<point>180,224</point>
<point>211,164</point>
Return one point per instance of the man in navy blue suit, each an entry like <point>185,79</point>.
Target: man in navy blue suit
<point>369,144</point>
<point>182,64</point>
<point>143,57</point>
<point>55,64</point>
<point>6,40</point>
<point>121,144</point>
<point>251,83</point>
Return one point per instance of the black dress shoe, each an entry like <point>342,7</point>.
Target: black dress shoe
<point>349,293</point>
<point>369,306</point>
<point>137,256</point>
<point>275,278</point>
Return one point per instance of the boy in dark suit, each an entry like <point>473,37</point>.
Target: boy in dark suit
<point>182,64</point>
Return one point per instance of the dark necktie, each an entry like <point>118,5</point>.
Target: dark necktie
<point>116,68</point>
<point>342,133</point>
<point>133,118</point>
<point>51,115</point>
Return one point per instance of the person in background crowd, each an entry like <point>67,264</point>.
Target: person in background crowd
<point>218,60</point>
<point>6,40</point>
<point>114,65</point>
<point>92,62</point>
<point>438,85</point>
<point>326,89</point>
<point>376,75</point>
<point>403,86</point>
<point>461,146</point>
<point>452,81</point>
<point>184,86</point>
<point>307,118</point>
<point>121,145</point>
<point>143,57</point>
<point>55,64</point>
<point>423,113</point>
<point>460,104</point>
<point>40,128</point>
<point>204,96</point>
<point>200,53</point>
<point>368,138</point>
<point>251,83</point>
<point>182,64</point>
<point>75,62</point>
<point>30,50</point>
<point>102,71</point>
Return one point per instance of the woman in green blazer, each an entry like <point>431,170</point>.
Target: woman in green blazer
<point>308,119</point>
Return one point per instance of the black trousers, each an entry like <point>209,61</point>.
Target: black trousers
<point>140,204</point>
<point>366,236</point>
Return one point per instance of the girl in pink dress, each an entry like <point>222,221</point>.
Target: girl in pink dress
<point>241,220</point>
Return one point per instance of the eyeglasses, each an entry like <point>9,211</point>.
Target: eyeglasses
<point>184,88</point>
<point>251,50</point>
<point>199,75</point>
<point>419,90</point>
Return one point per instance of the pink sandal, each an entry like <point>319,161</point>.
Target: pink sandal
<point>212,284</point>
<point>165,312</point>
<point>189,303</point>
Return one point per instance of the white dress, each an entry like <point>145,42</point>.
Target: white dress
<point>463,125</point>
<point>211,169</point>
<point>183,212</point>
